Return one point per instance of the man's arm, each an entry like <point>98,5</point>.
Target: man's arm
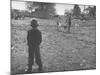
<point>40,37</point>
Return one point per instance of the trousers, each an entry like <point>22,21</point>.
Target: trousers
<point>34,53</point>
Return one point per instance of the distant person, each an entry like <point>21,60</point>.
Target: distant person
<point>34,39</point>
<point>58,23</point>
<point>69,22</point>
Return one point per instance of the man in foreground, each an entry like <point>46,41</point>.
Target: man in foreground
<point>34,39</point>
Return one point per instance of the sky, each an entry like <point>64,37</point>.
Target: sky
<point>60,8</point>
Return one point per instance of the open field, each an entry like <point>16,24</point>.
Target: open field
<point>59,51</point>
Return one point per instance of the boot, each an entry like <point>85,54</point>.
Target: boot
<point>40,69</point>
<point>29,70</point>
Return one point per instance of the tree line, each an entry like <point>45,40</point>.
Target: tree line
<point>47,10</point>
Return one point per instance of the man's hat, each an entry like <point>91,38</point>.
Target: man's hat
<point>34,23</point>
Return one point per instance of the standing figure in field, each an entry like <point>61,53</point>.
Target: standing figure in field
<point>59,24</point>
<point>57,21</point>
<point>69,22</point>
<point>34,39</point>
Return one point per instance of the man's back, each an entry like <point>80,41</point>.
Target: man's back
<point>34,37</point>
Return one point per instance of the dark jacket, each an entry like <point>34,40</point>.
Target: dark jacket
<point>34,37</point>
